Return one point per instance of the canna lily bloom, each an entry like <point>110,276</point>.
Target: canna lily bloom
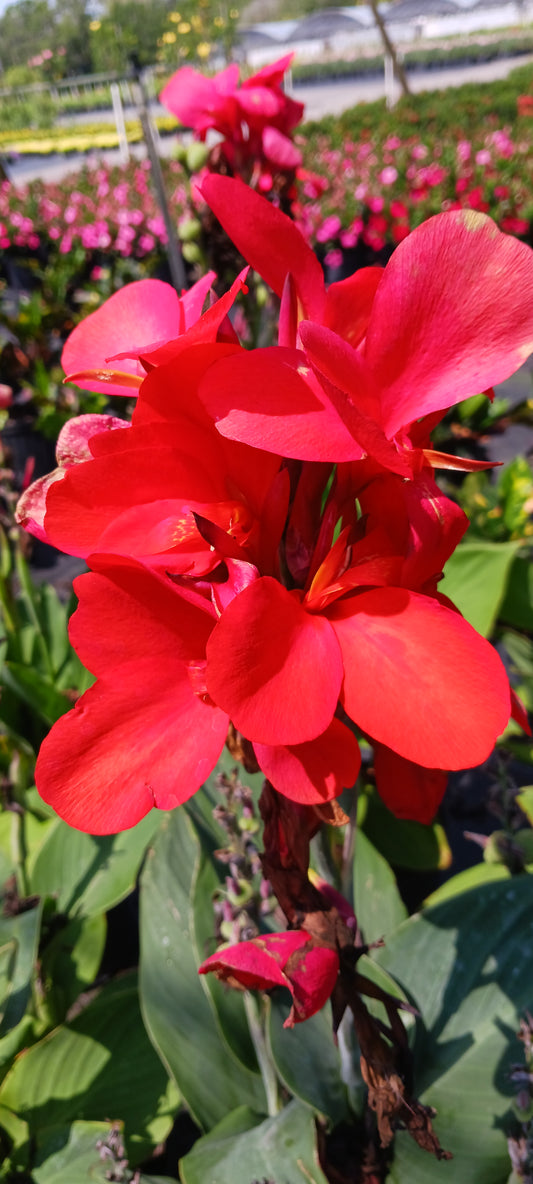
<point>259,105</point>
<point>147,733</point>
<point>279,663</point>
<point>185,620</point>
<point>450,315</point>
<point>289,959</point>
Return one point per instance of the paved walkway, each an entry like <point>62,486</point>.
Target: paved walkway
<point>332,98</point>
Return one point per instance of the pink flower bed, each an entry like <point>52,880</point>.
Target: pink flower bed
<point>348,195</point>
<point>99,208</point>
<point>375,194</point>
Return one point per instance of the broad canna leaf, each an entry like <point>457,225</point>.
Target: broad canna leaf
<point>467,965</point>
<point>99,1066</point>
<point>179,1015</point>
<point>238,1151</point>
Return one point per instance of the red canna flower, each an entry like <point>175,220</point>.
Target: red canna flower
<point>295,599</point>
<point>254,118</point>
<point>289,959</point>
<point>372,361</point>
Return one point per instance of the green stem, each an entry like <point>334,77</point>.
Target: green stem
<point>264,1059</point>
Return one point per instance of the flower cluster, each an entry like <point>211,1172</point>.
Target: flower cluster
<point>254,117</point>
<point>267,537</point>
<point>101,209</point>
<point>375,194</point>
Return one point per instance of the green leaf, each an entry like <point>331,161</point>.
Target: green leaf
<point>467,964</point>
<point>475,578</point>
<point>89,874</point>
<point>404,844</point>
<point>7,857</point>
<point>307,1060</point>
<point>16,831</point>
<point>280,1149</point>
<point>28,599</point>
<point>77,1155</point>
<point>19,939</point>
<point>517,605</point>
<point>100,1066</point>
<point>18,1135</point>
<point>70,963</point>
<point>377,903</point>
<point>177,1010</point>
<point>142,1179</point>
<point>36,691</point>
<point>54,618</point>
<point>70,1155</point>
<point>525,801</point>
<point>471,877</point>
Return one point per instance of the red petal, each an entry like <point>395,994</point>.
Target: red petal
<point>92,495</point>
<point>267,239</point>
<point>201,102</point>
<point>133,318</point>
<point>433,690</point>
<point>31,506</point>
<point>409,790</point>
<point>314,772</point>
<point>349,304</point>
<point>271,74</point>
<point>310,971</point>
<point>140,737</point>
<point>73,442</point>
<point>142,611</point>
<point>257,964</point>
<point>170,392</point>
<point>313,974</point>
<point>269,398</point>
<point>346,383</point>
<point>259,103</point>
<point>519,713</point>
<point>452,316</point>
<point>203,331</point>
<point>273,667</point>
<point>280,150</point>
<point>193,300</point>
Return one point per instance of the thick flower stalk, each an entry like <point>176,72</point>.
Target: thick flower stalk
<point>266,538</point>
